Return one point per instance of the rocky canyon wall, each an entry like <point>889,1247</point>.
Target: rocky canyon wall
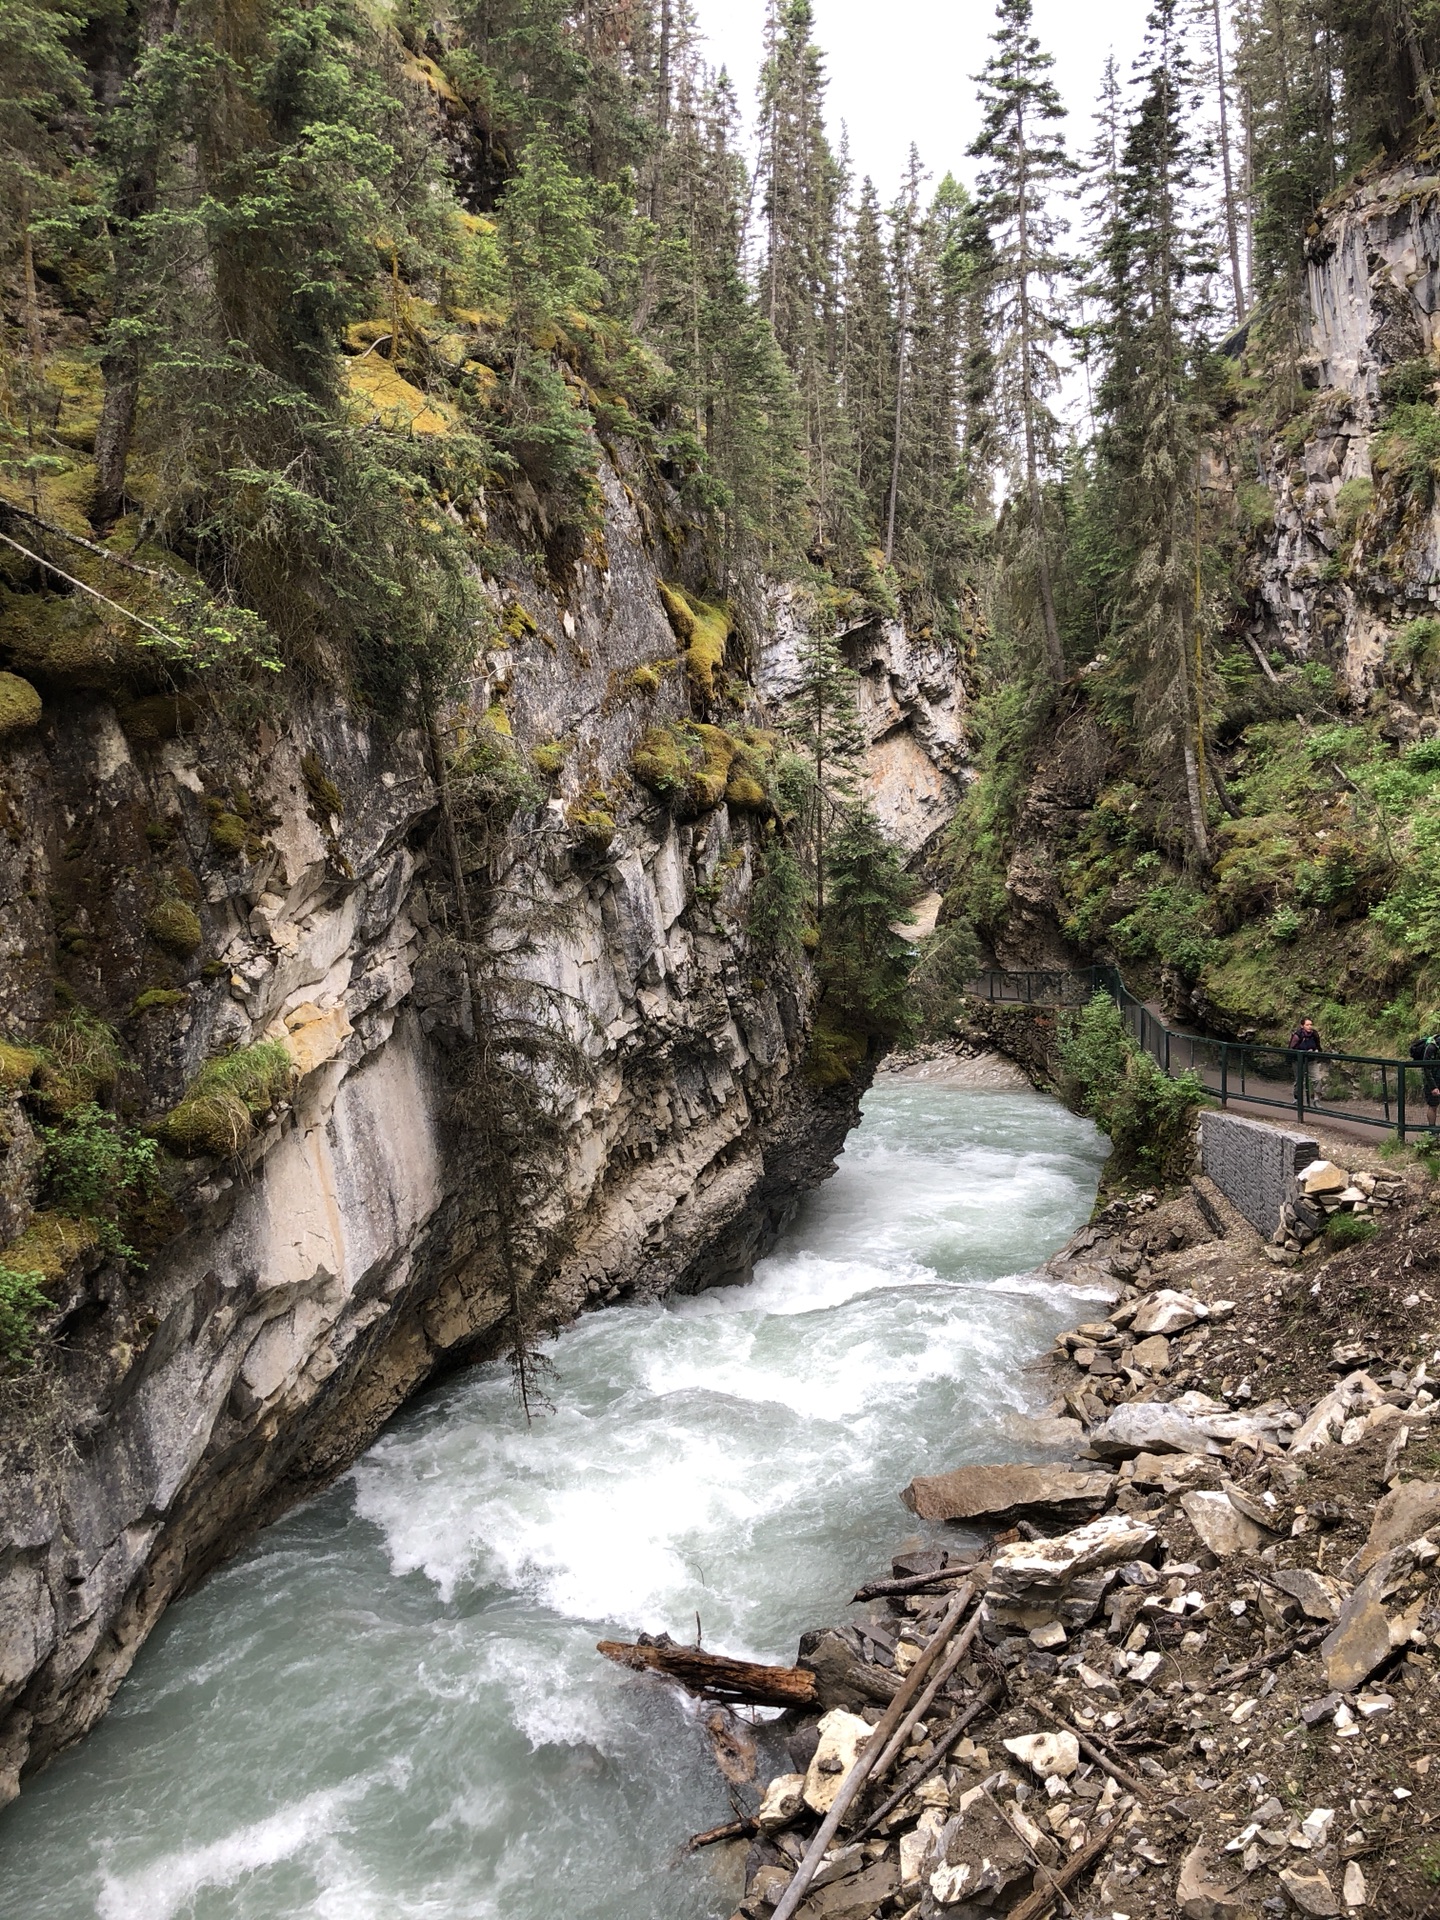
<point>296,1290</point>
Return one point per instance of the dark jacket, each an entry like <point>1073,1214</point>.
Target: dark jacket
<point>1302,1042</point>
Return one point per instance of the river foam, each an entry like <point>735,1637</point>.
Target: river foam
<point>392,1703</point>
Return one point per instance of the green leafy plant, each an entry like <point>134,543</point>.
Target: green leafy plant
<point>778,909</point>
<point>22,1303</point>
<point>100,1170</point>
<point>1149,1117</point>
<point>1349,1229</point>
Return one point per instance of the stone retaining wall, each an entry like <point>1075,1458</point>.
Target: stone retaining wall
<point>1254,1164</point>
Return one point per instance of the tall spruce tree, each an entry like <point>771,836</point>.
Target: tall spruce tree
<point>1026,162</point>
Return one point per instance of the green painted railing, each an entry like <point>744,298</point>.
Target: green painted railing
<point>1364,1088</point>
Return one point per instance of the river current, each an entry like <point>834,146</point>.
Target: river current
<point>390,1707</point>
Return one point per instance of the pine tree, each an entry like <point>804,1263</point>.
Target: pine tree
<point>1154,275</point>
<point>1026,161</point>
<point>822,720</point>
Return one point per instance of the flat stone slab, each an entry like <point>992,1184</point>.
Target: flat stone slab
<point>994,1493</point>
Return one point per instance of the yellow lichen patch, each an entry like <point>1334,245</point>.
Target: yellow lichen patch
<point>702,628</point>
<point>384,397</point>
<point>475,223</point>
<point>433,78</point>
<point>687,765</point>
<point>592,821</point>
<point>51,1245</point>
<point>19,705</point>
<point>18,1066</point>
<point>497,718</point>
<point>483,319</point>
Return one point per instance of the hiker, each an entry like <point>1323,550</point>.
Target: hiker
<point>1303,1042</point>
<point>1427,1051</point>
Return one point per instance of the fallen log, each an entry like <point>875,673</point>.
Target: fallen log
<point>715,1677</point>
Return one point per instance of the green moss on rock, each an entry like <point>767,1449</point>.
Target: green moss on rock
<point>175,927</point>
<point>18,1066</point>
<point>158,999</point>
<point>703,628</point>
<point>226,1098</point>
<point>20,706</point>
<point>228,833</point>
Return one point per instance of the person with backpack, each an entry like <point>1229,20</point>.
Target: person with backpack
<point>1302,1043</point>
<point>1426,1051</point>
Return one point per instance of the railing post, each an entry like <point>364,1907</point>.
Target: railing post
<point>1166,1031</point>
<point>1400,1105</point>
<point>1224,1073</point>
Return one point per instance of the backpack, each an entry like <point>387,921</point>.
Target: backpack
<point>1417,1049</point>
<point>1426,1049</point>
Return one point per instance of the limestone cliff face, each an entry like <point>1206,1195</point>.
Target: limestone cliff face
<point>911,708</point>
<point>1336,576</point>
<point>303,1287</point>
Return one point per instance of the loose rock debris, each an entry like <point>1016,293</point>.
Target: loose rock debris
<point>1217,1695</point>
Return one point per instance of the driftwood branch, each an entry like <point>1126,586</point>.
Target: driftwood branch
<point>732,1830</point>
<point>1275,1658</point>
<point>1039,1903</point>
<point>912,1583</point>
<point>987,1697</point>
<point>714,1676</point>
<point>1093,1750</point>
<point>942,1673</point>
<point>865,1761</point>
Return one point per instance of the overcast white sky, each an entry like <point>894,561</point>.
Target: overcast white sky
<point>900,69</point>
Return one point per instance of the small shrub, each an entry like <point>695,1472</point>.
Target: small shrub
<point>687,765</point>
<point>175,927</point>
<point>1349,1229</point>
<point>97,1169</point>
<point>22,1302</point>
<point>548,759</point>
<point>1403,385</point>
<point>1416,648</point>
<point>225,1099</point>
<point>326,800</point>
<point>1149,1117</point>
<point>1255,507</point>
<point>1409,449</point>
<point>593,823</point>
<point>1284,925</point>
<point>18,1066</point>
<point>1353,501</point>
<point>20,707</point>
<point>702,629</point>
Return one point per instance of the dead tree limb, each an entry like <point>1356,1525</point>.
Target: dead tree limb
<point>715,1677</point>
<point>1039,1903</point>
<point>987,1697</point>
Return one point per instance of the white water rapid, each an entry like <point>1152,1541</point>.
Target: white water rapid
<point>389,1707</point>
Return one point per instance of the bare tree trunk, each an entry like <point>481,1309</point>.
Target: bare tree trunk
<point>1232,232</point>
<point>1417,63</point>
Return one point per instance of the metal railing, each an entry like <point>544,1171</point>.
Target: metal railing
<point>1368,1089</point>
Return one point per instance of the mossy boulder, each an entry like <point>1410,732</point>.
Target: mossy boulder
<point>175,927</point>
<point>687,766</point>
<point>51,1246</point>
<point>592,823</point>
<point>548,759</point>
<point>228,833</point>
<point>20,706</point>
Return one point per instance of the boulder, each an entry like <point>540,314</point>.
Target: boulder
<point>1166,1311</point>
<point>1201,1895</point>
<point>1357,1394</point>
<point>1319,1598</point>
<point>843,1677</point>
<point>1152,1353</point>
<point>842,1735</point>
<point>1367,1632</point>
<point>855,1897</point>
<point>782,1802</point>
<point>1309,1889</point>
<point>1404,1514</point>
<point>981,1856</point>
<point>1323,1176</point>
<point>1046,1753</point>
<point>1034,1581</point>
<point>1001,1492</point>
<point>1191,1424</point>
<point>1221,1525</point>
